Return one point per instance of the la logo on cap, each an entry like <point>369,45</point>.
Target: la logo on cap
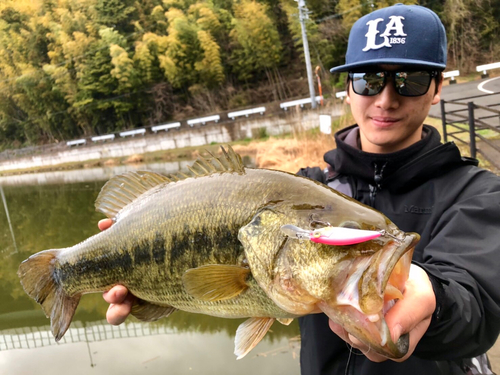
<point>395,25</point>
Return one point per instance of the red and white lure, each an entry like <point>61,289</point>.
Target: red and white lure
<point>330,235</point>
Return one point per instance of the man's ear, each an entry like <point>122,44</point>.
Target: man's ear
<point>437,96</point>
<point>348,98</point>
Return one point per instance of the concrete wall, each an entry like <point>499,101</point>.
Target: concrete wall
<point>294,119</point>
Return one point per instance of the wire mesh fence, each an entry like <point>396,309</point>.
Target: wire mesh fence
<point>37,337</point>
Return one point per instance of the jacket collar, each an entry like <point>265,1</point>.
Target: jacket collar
<point>397,170</point>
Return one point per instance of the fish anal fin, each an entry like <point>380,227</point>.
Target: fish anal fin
<point>37,278</point>
<point>249,334</point>
<point>123,189</point>
<point>215,282</point>
<point>285,321</point>
<point>150,312</point>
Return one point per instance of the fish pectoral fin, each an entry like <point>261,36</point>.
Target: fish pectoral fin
<point>249,334</point>
<point>285,321</point>
<point>150,312</point>
<point>216,282</point>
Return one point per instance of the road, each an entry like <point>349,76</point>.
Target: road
<point>474,88</point>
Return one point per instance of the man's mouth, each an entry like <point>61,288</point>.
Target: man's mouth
<point>384,121</point>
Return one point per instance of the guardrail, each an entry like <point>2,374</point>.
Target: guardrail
<point>451,74</point>
<point>471,118</point>
<point>9,154</point>
<point>133,133</point>
<point>203,120</point>
<point>76,142</point>
<point>166,127</point>
<point>103,138</point>
<point>246,112</point>
<point>299,102</point>
<point>341,95</point>
<point>484,68</point>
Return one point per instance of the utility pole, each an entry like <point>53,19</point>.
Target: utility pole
<point>303,15</point>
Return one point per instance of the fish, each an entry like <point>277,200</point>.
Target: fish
<point>218,239</point>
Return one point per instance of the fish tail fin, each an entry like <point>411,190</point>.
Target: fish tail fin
<point>40,283</point>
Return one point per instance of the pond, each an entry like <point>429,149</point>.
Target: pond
<point>55,210</point>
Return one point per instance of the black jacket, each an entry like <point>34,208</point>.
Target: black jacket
<point>430,189</point>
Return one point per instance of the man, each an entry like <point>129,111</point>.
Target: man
<point>393,162</point>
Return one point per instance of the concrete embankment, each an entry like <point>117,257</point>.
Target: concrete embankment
<point>223,132</point>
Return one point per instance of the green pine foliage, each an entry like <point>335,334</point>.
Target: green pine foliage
<point>73,68</point>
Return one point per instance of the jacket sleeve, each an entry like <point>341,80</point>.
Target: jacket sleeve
<point>314,173</point>
<point>462,259</point>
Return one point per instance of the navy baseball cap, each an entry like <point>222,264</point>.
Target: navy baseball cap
<point>399,34</point>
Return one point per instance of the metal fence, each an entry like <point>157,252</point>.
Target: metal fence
<point>464,116</point>
<point>37,337</point>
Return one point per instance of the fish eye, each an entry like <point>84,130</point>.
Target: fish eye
<point>350,224</point>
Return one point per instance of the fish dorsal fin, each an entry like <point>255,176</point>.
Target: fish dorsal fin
<point>249,334</point>
<point>216,282</point>
<point>124,189</point>
<point>229,161</point>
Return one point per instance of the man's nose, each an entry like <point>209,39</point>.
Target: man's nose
<point>388,98</point>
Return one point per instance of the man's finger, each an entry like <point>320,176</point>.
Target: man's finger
<point>117,313</point>
<point>117,294</point>
<point>416,308</point>
<point>104,224</point>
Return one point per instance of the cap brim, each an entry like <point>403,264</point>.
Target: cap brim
<point>406,62</point>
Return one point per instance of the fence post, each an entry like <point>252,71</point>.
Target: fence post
<point>472,130</point>
<point>443,120</point>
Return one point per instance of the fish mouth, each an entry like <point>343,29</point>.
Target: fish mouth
<point>370,292</point>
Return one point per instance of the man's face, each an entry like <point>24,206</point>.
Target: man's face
<point>389,122</point>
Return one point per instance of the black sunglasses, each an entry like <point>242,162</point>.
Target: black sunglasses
<point>407,83</point>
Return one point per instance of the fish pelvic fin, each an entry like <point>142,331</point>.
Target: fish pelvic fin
<point>40,283</point>
<point>150,312</point>
<point>249,334</point>
<point>216,282</point>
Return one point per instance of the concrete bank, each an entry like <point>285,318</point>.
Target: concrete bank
<point>223,132</point>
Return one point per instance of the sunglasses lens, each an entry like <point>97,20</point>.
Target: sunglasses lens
<point>367,84</point>
<point>406,83</point>
<point>412,83</point>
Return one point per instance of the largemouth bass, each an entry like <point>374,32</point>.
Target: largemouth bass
<point>211,241</point>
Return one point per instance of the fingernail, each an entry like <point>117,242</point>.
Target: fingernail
<point>397,330</point>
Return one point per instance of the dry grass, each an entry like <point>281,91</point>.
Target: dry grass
<point>134,159</point>
<point>289,154</point>
<point>301,149</point>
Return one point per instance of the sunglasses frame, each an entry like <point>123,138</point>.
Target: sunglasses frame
<point>432,74</point>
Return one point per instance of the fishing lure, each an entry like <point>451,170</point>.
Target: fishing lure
<point>330,235</point>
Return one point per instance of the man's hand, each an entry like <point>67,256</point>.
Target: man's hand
<point>118,297</point>
<point>412,314</point>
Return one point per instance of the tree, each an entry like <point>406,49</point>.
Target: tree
<point>256,43</point>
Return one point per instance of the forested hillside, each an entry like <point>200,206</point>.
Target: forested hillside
<point>71,68</point>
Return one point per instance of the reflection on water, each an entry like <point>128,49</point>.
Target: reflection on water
<point>45,214</point>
